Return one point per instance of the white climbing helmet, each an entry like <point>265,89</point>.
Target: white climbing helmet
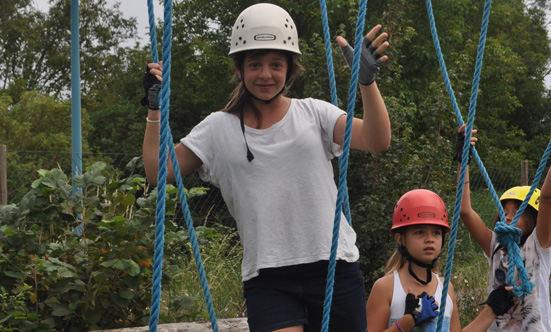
<point>264,26</point>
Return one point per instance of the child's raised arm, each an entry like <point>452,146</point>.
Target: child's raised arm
<point>543,225</point>
<point>478,230</point>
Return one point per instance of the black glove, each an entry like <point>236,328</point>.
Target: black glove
<point>369,61</point>
<point>421,308</point>
<point>151,86</point>
<point>459,148</point>
<point>500,300</point>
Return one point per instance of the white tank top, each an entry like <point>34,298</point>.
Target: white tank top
<point>398,306</point>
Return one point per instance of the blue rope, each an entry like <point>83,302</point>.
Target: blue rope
<point>510,235</point>
<point>165,138</point>
<point>333,88</point>
<point>463,171</point>
<point>466,147</point>
<point>343,161</point>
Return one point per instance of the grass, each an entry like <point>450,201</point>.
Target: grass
<point>183,299</point>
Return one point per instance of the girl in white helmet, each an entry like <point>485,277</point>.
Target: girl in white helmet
<point>533,311</point>
<point>270,155</point>
<point>419,224</point>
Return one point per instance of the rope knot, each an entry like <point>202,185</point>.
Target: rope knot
<point>509,237</point>
<point>507,234</point>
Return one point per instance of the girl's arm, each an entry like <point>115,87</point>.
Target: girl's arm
<point>372,133</point>
<point>471,219</point>
<point>187,160</point>
<point>378,308</point>
<point>480,324</point>
<point>543,225</point>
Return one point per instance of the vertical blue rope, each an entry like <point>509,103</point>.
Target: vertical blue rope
<point>161,194</point>
<point>165,138</point>
<point>451,94</point>
<point>332,86</point>
<point>328,53</point>
<point>505,233</point>
<point>343,164</point>
<point>465,155</point>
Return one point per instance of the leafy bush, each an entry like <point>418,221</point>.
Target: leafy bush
<point>84,261</point>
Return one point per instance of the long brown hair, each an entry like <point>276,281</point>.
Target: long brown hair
<point>240,96</point>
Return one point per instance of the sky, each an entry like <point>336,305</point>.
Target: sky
<point>129,8</point>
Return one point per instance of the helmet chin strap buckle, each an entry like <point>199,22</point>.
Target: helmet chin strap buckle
<point>403,250</point>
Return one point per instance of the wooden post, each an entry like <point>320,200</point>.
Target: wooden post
<point>3,175</point>
<point>524,173</point>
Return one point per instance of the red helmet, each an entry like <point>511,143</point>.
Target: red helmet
<point>420,207</point>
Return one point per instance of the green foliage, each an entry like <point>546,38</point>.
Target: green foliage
<point>53,279</point>
<point>222,255</point>
<point>37,122</point>
<point>36,46</point>
<point>512,106</point>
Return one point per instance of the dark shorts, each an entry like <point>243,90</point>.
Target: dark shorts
<point>294,295</point>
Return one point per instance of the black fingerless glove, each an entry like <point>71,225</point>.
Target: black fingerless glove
<point>151,86</point>
<point>369,61</point>
<point>460,141</point>
<point>500,300</point>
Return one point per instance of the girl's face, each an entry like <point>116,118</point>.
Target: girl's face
<point>423,242</point>
<point>265,75</point>
<point>510,208</point>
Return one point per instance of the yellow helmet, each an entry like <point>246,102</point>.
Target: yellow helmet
<point>519,193</point>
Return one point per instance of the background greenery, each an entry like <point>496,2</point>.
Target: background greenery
<point>512,119</point>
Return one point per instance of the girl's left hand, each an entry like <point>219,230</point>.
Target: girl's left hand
<point>371,59</point>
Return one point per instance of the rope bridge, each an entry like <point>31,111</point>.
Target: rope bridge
<point>508,235</point>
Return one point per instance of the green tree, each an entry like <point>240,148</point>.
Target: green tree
<point>36,46</point>
<point>38,123</point>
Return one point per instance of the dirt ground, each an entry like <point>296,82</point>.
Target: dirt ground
<point>224,325</point>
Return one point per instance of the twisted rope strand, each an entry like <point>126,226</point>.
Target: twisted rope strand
<point>165,138</point>
<point>343,164</point>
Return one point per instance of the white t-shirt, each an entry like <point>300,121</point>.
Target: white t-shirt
<point>533,311</point>
<point>398,306</point>
<point>284,199</point>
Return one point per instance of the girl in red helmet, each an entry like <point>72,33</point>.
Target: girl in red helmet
<point>407,297</point>
<point>533,311</point>
<point>270,155</point>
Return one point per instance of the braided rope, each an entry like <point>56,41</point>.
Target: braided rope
<point>468,132</point>
<point>165,138</point>
<point>333,88</point>
<point>343,160</point>
<point>507,234</point>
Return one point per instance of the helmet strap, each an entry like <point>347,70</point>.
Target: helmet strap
<point>250,155</point>
<point>403,250</point>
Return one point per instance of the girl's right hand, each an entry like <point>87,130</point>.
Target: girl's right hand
<point>152,85</point>
<point>156,69</point>
<point>460,142</point>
